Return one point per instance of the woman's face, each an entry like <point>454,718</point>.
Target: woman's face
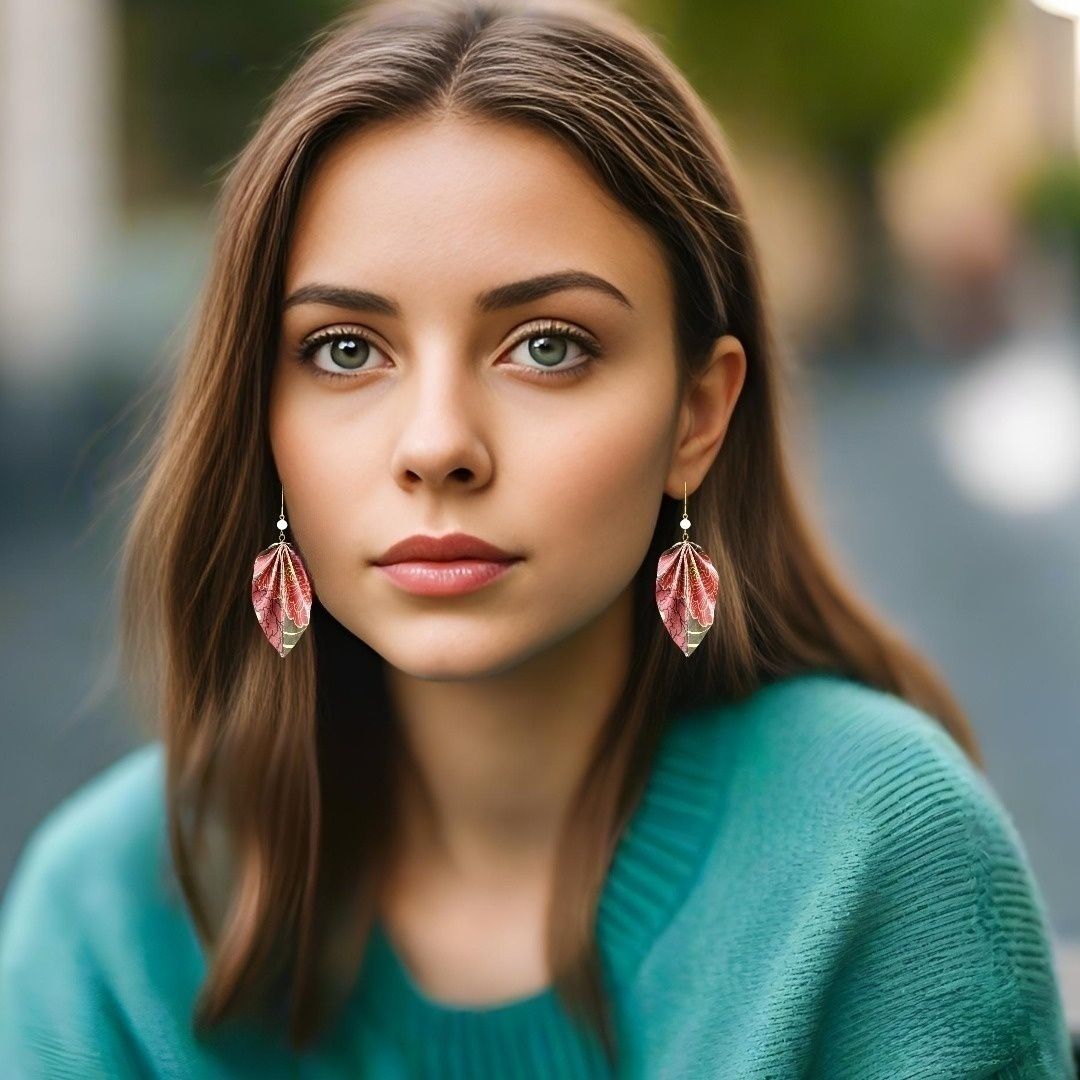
<point>452,405</point>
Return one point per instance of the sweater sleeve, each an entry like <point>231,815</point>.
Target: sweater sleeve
<point>58,1019</point>
<point>947,971</point>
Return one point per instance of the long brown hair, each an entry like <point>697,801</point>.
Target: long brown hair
<point>288,760</point>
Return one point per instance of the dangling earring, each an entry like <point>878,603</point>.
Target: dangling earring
<point>281,591</point>
<point>686,588</point>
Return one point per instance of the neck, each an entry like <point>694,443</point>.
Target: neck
<point>491,764</point>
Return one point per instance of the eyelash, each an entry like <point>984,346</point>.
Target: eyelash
<point>308,347</point>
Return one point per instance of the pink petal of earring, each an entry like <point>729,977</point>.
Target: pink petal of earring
<point>686,587</point>
<point>281,591</point>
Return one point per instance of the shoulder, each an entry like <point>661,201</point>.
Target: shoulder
<point>934,862</point>
<point>826,709</point>
<point>857,815</point>
<point>840,741</point>
<point>862,766</point>
<point>818,754</point>
<point>833,772</point>
<point>94,955</point>
<point>87,858</point>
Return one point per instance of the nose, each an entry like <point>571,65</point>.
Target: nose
<point>443,443</point>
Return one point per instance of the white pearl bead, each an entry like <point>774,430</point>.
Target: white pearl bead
<point>685,523</point>
<point>282,523</point>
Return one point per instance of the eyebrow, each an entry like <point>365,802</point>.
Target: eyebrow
<point>502,296</point>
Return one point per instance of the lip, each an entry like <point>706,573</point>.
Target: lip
<point>452,546</point>
<point>444,578</point>
<point>448,565</point>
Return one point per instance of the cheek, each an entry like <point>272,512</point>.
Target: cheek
<point>596,501</point>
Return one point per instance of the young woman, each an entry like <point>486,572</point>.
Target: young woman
<point>513,719</point>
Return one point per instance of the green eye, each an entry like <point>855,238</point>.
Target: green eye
<point>548,352</point>
<point>547,346</point>
<point>347,350</point>
<point>351,352</point>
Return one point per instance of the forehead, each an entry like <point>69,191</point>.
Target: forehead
<point>456,202</point>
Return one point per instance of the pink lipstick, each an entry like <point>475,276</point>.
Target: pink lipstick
<point>448,565</point>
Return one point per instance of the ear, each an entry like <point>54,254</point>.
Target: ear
<point>706,408</point>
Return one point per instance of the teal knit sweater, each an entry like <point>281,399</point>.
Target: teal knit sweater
<point>816,883</point>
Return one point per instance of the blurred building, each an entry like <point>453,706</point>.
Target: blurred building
<point>59,181</point>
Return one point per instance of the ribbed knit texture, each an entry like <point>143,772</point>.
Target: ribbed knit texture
<point>816,884</point>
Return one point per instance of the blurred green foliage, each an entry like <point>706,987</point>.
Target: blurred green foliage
<point>844,77</point>
<point>1049,201</point>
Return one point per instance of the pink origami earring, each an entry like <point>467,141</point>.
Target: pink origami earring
<point>686,588</point>
<point>281,591</point>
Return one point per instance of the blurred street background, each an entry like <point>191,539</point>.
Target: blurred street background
<point>913,178</point>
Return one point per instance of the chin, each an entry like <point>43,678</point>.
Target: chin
<point>454,667</point>
<point>429,648</point>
